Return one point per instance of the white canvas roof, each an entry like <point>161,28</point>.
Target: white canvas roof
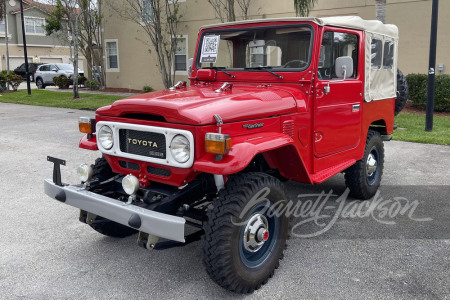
<point>380,80</point>
<point>354,22</point>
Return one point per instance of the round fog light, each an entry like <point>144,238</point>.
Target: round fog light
<point>130,184</point>
<point>85,172</point>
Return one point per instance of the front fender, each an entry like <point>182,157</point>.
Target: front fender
<point>89,144</point>
<point>242,152</point>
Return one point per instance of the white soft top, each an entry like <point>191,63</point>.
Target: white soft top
<point>353,22</point>
<point>379,81</point>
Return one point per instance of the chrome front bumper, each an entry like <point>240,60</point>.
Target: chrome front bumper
<point>145,220</point>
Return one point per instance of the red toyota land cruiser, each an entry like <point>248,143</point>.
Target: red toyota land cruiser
<point>269,100</point>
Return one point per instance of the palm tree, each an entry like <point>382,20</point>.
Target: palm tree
<point>303,7</point>
<point>380,10</point>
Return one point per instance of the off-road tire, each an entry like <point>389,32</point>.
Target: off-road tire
<point>102,171</point>
<point>361,185</point>
<point>402,92</point>
<point>223,249</point>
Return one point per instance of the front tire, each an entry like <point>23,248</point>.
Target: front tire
<point>244,241</point>
<point>364,177</point>
<point>102,172</point>
<point>40,83</point>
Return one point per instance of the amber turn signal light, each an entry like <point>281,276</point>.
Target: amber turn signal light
<point>86,125</point>
<point>217,143</point>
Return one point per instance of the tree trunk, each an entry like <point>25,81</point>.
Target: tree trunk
<point>75,61</point>
<point>6,44</point>
<point>380,10</point>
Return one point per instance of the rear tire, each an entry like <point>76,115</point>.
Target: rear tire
<point>102,171</point>
<point>364,177</point>
<point>402,92</point>
<point>234,258</point>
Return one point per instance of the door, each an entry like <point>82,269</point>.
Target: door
<point>337,120</point>
<point>49,73</point>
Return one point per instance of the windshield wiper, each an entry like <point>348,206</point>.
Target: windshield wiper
<point>265,69</point>
<point>221,69</point>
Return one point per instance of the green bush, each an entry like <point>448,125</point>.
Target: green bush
<point>418,85</point>
<point>62,82</point>
<point>92,84</point>
<point>14,80</point>
<point>2,80</point>
<point>147,89</point>
<point>82,80</point>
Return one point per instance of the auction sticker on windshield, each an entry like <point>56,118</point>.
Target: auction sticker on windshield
<point>210,48</point>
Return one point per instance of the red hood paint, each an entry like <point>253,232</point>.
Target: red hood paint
<point>197,105</point>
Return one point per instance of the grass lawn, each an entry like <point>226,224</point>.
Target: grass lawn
<point>411,128</point>
<point>59,99</point>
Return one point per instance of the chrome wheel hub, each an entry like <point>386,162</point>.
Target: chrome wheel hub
<point>256,233</point>
<point>371,164</point>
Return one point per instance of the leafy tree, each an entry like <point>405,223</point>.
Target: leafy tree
<point>69,10</point>
<point>159,19</point>
<point>88,17</point>
<point>303,7</point>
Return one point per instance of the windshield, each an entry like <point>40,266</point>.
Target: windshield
<point>287,48</point>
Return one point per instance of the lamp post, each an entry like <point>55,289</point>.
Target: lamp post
<point>432,66</point>
<point>27,74</point>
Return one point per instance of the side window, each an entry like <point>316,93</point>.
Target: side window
<point>388,58</point>
<point>376,53</point>
<point>334,45</point>
<point>44,68</point>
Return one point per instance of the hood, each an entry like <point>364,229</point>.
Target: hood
<point>197,105</point>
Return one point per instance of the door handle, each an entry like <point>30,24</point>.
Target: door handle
<point>355,107</point>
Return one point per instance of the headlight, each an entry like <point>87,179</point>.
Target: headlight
<point>180,148</point>
<point>85,172</point>
<point>105,136</point>
<point>130,184</point>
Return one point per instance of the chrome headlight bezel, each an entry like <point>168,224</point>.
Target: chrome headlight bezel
<point>180,148</point>
<point>105,136</point>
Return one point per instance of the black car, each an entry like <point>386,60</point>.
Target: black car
<point>32,67</point>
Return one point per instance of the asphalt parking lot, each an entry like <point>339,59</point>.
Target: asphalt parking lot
<point>46,253</point>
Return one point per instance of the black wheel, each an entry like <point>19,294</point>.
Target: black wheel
<point>40,83</point>
<point>103,171</point>
<point>364,177</point>
<point>245,237</point>
<point>402,92</point>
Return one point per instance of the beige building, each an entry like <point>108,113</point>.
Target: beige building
<point>130,65</point>
<point>40,48</point>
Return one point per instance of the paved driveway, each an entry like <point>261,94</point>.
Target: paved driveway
<point>46,253</point>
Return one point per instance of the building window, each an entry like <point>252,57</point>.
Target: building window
<point>181,54</point>
<point>34,25</point>
<point>147,11</point>
<point>2,26</point>
<point>112,55</point>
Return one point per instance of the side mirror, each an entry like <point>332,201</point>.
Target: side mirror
<point>344,67</point>
<point>256,43</point>
<point>55,70</point>
<point>190,65</point>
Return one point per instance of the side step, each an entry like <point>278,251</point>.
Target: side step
<point>325,174</point>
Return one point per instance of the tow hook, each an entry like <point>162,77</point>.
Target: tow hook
<point>147,241</point>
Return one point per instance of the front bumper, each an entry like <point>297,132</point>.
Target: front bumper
<point>145,220</point>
